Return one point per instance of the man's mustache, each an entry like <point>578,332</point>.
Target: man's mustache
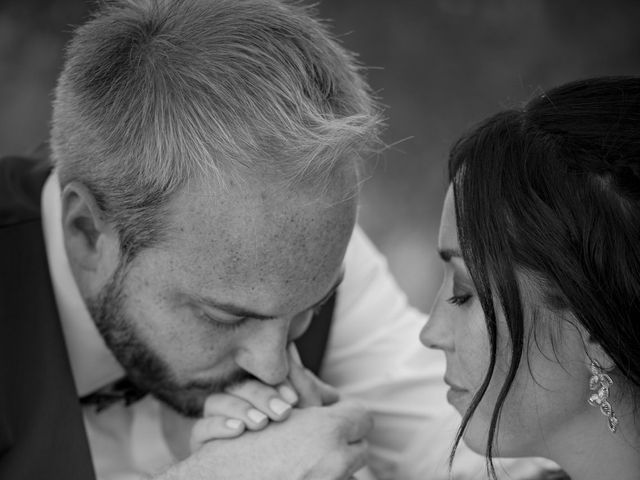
<point>219,385</point>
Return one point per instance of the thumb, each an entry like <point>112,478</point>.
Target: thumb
<point>311,390</point>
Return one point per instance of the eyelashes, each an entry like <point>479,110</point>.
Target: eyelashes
<point>228,326</point>
<point>219,324</point>
<point>239,323</point>
<point>459,300</point>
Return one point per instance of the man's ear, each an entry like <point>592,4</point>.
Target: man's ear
<point>89,238</point>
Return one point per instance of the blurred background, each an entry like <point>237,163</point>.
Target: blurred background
<point>437,65</point>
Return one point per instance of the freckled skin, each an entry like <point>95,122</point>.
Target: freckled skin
<point>249,251</point>
<point>275,252</point>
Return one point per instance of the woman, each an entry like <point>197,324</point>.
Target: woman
<point>539,311</point>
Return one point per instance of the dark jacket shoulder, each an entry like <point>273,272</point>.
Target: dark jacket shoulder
<point>21,181</point>
<point>41,429</point>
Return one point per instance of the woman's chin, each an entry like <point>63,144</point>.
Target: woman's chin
<point>476,440</point>
<point>476,443</point>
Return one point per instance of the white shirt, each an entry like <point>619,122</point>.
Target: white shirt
<point>373,355</point>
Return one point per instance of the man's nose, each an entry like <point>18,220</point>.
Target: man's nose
<point>438,332</point>
<point>263,353</point>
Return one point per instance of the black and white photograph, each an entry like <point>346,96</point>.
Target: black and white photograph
<point>319,240</point>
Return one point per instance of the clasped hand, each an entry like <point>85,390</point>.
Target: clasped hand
<point>252,405</point>
<point>322,437</point>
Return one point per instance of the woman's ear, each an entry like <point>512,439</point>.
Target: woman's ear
<point>594,351</point>
<point>89,238</point>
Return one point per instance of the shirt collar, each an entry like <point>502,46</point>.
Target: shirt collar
<point>92,363</point>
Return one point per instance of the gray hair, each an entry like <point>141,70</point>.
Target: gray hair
<point>156,93</point>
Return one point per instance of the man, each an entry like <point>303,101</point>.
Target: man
<point>203,195</point>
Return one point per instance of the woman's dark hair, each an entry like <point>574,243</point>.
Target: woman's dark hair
<point>554,189</point>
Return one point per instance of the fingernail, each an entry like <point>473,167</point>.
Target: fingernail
<point>233,423</point>
<point>279,407</point>
<point>288,394</point>
<point>256,416</point>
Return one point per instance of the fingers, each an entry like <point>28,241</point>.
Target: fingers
<point>250,405</point>
<point>254,404</point>
<point>228,406</point>
<point>247,406</point>
<point>320,442</point>
<point>275,403</point>
<point>357,455</point>
<point>266,399</point>
<point>294,355</point>
<point>356,422</point>
<point>263,401</point>
<point>214,428</point>
<point>312,391</point>
<point>348,461</point>
<point>302,382</point>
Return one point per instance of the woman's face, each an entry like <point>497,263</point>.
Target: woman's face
<point>548,397</point>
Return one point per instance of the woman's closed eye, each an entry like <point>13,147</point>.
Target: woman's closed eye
<point>459,300</point>
<point>462,291</point>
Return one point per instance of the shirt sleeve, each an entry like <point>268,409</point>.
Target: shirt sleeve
<point>374,355</point>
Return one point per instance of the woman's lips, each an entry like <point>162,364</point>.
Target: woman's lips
<point>454,386</point>
<point>456,395</point>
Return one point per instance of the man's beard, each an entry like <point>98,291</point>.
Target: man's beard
<point>144,367</point>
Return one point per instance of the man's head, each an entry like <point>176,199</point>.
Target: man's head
<point>208,156</point>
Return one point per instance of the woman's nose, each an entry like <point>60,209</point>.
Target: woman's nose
<point>437,332</point>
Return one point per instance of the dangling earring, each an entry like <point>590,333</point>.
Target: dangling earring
<point>601,381</point>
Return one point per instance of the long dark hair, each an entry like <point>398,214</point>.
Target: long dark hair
<point>554,189</point>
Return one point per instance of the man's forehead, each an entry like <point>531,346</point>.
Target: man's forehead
<point>237,213</point>
<point>259,244</point>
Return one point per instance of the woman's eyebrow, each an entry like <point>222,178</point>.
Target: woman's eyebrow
<point>446,254</point>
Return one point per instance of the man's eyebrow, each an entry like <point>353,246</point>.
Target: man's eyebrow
<point>331,291</point>
<point>446,254</point>
<point>238,311</point>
